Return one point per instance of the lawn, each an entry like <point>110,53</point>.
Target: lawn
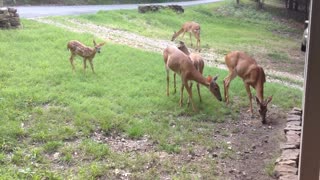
<point>51,118</point>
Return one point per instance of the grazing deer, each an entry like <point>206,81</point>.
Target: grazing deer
<point>252,75</point>
<point>192,28</point>
<point>88,53</point>
<point>181,64</point>
<point>196,60</point>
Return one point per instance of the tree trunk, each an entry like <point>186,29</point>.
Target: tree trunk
<point>238,1</point>
<point>1,3</point>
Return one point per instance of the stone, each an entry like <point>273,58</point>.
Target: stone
<point>287,162</point>
<point>281,170</point>
<point>292,128</point>
<point>289,177</point>
<point>297,109</point>
<point>294,118</point>
<point>289,146</point>
<point>293,139</point>
<point>294,123</point>
<point>290,154</point>
<point>294,132</point>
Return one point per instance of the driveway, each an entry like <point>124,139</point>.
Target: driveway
<point>44,11</point>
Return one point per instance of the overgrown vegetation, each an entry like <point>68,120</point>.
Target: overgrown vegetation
<point>50,116</point>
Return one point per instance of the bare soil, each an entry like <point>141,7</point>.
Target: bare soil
<point>252,147</point>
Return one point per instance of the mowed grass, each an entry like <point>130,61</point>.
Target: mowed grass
<point>225,26</point>
<point>49,115</point>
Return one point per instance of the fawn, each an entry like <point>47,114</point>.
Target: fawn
<point>88,53</point>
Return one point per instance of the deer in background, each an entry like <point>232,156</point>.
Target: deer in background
<point>197,62</point>
<point>252,75</point>
<point>88,53</point>
<point>192,28</point>
<point>181,64</point>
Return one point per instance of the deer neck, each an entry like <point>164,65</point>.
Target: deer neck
<point>259,84</point>
<point>184,50</point>
<point>197,76</point>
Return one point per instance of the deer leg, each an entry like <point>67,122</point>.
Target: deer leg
<point>181,94</point>
<point>167,70</point>
<point>174,82</point>
<point>250,97</point>
<point>84,64</point>
<point>191,89</point>
<point>226,84</point>
<point>198,88</point>
<point>71,61</point>
<point>190,38</point>
<point>190,95</point>
<point>91,64</point>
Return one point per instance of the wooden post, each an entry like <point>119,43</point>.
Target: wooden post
<point>310,144</point>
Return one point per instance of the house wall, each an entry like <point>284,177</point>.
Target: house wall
<point>310,138</point>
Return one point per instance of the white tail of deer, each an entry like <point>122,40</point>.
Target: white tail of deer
<point>242,65</point>
<point>197,62</point>
<point>192,28</point>
<point>88,53</point>
<point>181,64</point>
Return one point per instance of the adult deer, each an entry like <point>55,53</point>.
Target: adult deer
<point>252,75</point>
<point>88,53</point>
<point>181,64</point>
<point>196,60</point>
<point>192,28</point>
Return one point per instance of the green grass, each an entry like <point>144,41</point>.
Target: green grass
<point>48,114</point>
<point>224,26</point>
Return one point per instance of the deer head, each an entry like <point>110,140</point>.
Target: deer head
<point>97,47</point>
<point>263,107</point>
<point>214,87</point>
<point>174,36</point>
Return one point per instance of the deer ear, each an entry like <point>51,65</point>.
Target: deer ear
<point>216,77</point>
<point>94,43</point>
<point>209,78</point>
<point>269,99</point>
<point>258,101</point>
<point>101,44</point>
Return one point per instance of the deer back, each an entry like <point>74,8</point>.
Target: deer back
<point>80,49</point>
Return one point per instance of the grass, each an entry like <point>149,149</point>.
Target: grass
<point>48,114</point>
<point>225,27</point>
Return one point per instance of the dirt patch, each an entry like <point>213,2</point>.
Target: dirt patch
<point>255,146</point>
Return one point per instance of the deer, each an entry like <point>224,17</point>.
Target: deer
<point>192,28</point>
<point>181,64</point>
<point>242,65</point>
<point>88,53</point>
<point>197,62</point>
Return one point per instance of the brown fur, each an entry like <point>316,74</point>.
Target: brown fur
<point>242,65</point>
<point>196,60</point>
<point>192,28</point>
<point>181,64</point>
<point>88,53</point>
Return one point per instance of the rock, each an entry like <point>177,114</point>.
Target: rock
<point>286,162</point>
<point>293,139</point>
<point>155,8</point>
<point>292,128</point>
<point>294,123</point>
<point>289,177</point>
<point>290,154</point>
<point>285,169</point>
<point>289,146</point>
<point>294,118</point>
